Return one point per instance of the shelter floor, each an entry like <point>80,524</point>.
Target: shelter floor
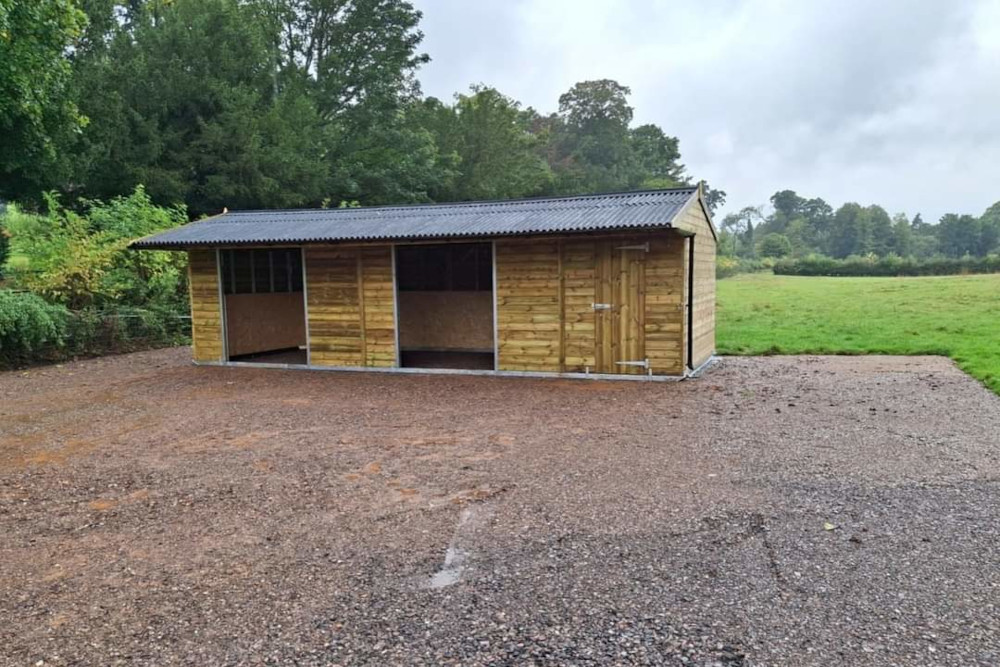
<point>276,357</point>
<point>480,361</point>
<point>778,511</point>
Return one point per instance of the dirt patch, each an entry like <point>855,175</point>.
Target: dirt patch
<point>780,511</point>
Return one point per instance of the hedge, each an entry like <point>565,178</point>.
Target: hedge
<point>818,265</point>
<point>33,331</point>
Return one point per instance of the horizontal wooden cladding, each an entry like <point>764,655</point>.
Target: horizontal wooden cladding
<point>350,305</point>
<point>546,289</point>
<point>665,300</point>
<point>693,219</point>
<point>206,311</point>
<point>528,304</point>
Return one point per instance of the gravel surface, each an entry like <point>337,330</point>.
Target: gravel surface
<point>778,511</point>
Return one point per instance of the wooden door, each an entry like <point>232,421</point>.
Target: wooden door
<point>620,306</point>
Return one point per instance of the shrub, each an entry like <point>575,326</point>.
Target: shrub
<point>82,261</point>
<point>28,327</point>
<point>726,266</point>
<point>888,266</point>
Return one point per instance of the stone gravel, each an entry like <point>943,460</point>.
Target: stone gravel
<point>776,511</point>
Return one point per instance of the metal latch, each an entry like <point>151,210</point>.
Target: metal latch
<point>642,246</point>
<point>642,364</point>
<point>601,306</point>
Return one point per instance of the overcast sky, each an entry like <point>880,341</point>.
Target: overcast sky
<point>894,102</point>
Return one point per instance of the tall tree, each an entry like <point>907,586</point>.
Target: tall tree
<point>183,100</point>
<point>36,111</point>
<point>848,231</point>
<point>879,239</point>
<point>990,229</point>
<point>959,235</point>
<point>358,60</point>
<point>902,234</point>
<point>490,136</point>
<point>593,137</point>
<point>656,157</point>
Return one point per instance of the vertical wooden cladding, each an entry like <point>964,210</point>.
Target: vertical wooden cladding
<point>693,219</point>
<point>350,304</point>
<point>206,311</point>
<point>546,294</point>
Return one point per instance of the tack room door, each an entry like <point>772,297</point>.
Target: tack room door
<point>620,306</point>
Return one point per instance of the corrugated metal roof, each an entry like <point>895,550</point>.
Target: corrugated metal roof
<point>620,210</point>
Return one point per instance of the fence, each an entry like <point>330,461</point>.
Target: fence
<point>92,333</point>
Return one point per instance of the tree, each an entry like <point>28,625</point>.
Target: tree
<point>183,100</point>
<point>740,227</point>
<point>902,234</point>
<point>593,152</point>
<point>714,199</point>
<point>657,157</point>
<point>959,235</point>
<point>879,237</point>
<point>787,207</point>
<point>357,60</point>
<point>774,245</point>
<point>990,229</point>
<point>848,232</point>
<point>497,156</point>
<point>36,111</point>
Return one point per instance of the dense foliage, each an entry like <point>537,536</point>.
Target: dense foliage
<point>37,111</point>
<point>286,103</point>
<point>74,288</point>
<point>81,260</point>
<point>799,227</point>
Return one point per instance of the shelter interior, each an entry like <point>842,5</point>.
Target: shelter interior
<point>264,305</point>
<point>445,305</point>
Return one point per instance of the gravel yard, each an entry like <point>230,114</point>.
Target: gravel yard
<point>778,511</point>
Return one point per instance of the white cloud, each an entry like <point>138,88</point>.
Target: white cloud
<point>893,102</point>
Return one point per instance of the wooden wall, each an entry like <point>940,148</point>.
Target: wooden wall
<point>351,313</point>
<point>206,311</point>
<point>665,304</point>
<point>546,289</point>
<point>693,219</point>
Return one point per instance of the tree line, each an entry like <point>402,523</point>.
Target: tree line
<point>798,226</point>
<point>286,103</point>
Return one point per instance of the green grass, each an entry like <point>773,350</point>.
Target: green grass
<point>956,316</point>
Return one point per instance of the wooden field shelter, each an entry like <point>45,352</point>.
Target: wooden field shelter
<point>606,285</point>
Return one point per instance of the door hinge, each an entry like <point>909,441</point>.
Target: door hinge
<point>641,364</point>
<point>642,246</point>
<point>601,306</point>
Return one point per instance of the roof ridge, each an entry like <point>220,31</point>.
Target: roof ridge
<point>469,204</point>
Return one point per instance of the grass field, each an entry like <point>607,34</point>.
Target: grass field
<point>957,316</point>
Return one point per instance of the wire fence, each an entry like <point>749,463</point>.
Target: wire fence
<point>91,333</point>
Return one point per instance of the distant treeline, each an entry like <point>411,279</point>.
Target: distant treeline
<point>287,103</point>
<point>798,227</point>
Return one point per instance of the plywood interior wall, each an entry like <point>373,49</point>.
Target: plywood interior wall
<point>263,322</point>
<point>547,288</point>
<point>206,311</point>
<point>351,316</point>
<point>446,320</point>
